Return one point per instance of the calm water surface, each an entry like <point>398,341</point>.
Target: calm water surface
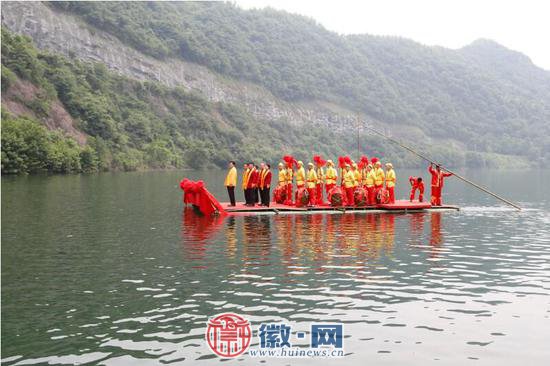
<point>110,269</point>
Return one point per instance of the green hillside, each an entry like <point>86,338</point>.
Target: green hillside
<point>133,125</point>
<point>491,101</point>
<point>490,98</point>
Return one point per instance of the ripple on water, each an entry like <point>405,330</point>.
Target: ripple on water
<point>470,282</point>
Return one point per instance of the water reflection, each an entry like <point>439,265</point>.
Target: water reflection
<point>417,224</point>
<point>199,229</point>
<point>256,241</point>
<point>436,237</point>
<point>112,272</point>
<point>231,237</point>
<point>303,242</point>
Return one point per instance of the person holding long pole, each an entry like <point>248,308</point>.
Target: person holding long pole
<point>438,177</point>
<point>442,168</point>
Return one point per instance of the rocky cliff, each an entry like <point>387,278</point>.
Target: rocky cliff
<point>65,34</point>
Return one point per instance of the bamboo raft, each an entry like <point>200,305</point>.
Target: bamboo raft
<point>399,206</point>
<point>206,203</point>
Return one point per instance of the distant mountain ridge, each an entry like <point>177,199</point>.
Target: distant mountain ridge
<point>508,64</point>
<point>481,104</point>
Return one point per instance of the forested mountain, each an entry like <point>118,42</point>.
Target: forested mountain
<point>483,103</point>
<point>130,124</point>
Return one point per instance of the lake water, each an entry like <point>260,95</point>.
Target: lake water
<point>111,269</point>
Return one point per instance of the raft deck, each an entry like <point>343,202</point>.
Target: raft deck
<point>398,206</point>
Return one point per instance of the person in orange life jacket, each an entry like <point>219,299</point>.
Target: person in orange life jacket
<point>265,184</point>
<point>438,177</point>
<point>246,177</point>
<point>390,181</point>
<point>417,184</point>
<point>349,181</point>
<point>331,176</point>
<point>371,192</point>
<point>311,184</point>
<point>231,182</point>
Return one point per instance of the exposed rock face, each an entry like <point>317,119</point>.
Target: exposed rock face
<point>56,118</point>
<point>63,33</point>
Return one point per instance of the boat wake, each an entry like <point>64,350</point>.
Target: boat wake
<point>488,209</point>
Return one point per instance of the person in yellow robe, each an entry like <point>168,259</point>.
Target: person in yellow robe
<point>246,176</point>
<point>312,184</point>
<point>230,182</point>
<point>390,181</point>
<point>364,172</point>
<point>349,181</point>
<point>356,175</point>
<point>369,184</point>
<point>282,175</point>
<point>289,175</point>
<point>281,184</point>
<point>331,176</point>
<point>319,187</point>
<point>300,175</point>
<point>379,175</point>
<point>379,178</point>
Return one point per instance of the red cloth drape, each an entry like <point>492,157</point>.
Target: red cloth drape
<point>195,193</point>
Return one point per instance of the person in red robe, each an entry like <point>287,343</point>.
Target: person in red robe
<point>417,184</point>
<point>265,184</point>
<point>438,177</point>
<point>252,185</point>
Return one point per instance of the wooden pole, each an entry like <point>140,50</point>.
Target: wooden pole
<point>450,171</point>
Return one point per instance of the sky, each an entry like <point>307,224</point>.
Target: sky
<point>522,25</point>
